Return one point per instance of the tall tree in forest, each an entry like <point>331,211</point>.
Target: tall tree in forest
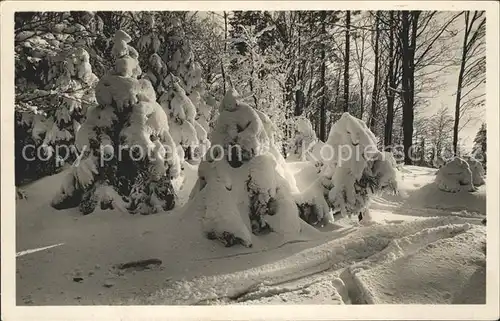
<point>408,37</point>
<point>425,46</point>
<point>392,76</point>
<point>322,127</point>
<point>472,69</point>
<point>346,59</point>
<point>359,37</point>
<point>375,92</point>
<point>225,51</point>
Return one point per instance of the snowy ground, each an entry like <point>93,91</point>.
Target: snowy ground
<point>425,246</point>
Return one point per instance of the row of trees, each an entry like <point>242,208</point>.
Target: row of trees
<point>384,67</point>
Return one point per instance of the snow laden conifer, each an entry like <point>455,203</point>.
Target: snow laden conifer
<point>74,94</point>
<point>304,140</point>
<point>241,192</point>
<point>479,148</point>
<point>53,118</point>
<point>181,113</point>
<point>184,66</point>
<point>53,80</point>
<point>128,157</point>
<point>353,171</point>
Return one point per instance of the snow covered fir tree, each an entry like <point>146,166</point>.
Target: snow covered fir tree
<point>127,117</point>
<point>56,85</point>
<point>243,169</point>
<point>250,157</point>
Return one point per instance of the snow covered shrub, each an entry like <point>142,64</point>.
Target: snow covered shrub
<point>128,157</point>
<point>156,73</point>
<point>205,112</point>
<point>357,169</point>
<point>274,149</point>
<point>455,174</point>
<point>239,130</point>
<point>305,138</point>
<point>182,113</point>
<point>75,93</point>
<point>252,196</point>
<point>49,123</point>
<point>189,74</point>
<point>270,195</point>
<point>354,169</point>
<point>220,217</point>
<point>477,171</point>
<point>151,38</point>
<point>50,102</point>
<point>479,148</point>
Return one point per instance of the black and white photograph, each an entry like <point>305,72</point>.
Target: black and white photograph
<point>270,156</point>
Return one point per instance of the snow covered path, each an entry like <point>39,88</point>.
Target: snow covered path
<point>411,246</point>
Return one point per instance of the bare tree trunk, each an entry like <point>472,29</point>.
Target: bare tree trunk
<point>390,84</point>
<point>346,65</point>
<point>459,87</point>
<point>225,50</point>
<point>470,74</point>
<point>322,126</point>
<point>299,94</point>
<point>375,75</point>
<point>408,52</point>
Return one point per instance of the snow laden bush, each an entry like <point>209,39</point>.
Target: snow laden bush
<point>353,171</point>
<point>156,72</point>
<point>205,113</point>
<point>239,130</point>
<point>184,66</point>
<point>128,157</point>
<point>455,175</point>
<point>75,93</point>
<point>182,113</point>
<point>304,140</point>
<point>477,171</point>
<point>52,116</point>
<point>479,148</point>
<point>241,192</point>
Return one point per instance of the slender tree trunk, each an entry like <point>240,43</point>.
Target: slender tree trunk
<point>225,50</point>
<point>390,84</point>
<point>459,94</point>
<point>337,92</point>
<point>375,75</point>
<point>406,85</point>
<point>322,126</point>
<point>468,42</point>
<point>346,66</point>
<point>299,94</point>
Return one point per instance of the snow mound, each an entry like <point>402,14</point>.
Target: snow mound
<point>455,175</point>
